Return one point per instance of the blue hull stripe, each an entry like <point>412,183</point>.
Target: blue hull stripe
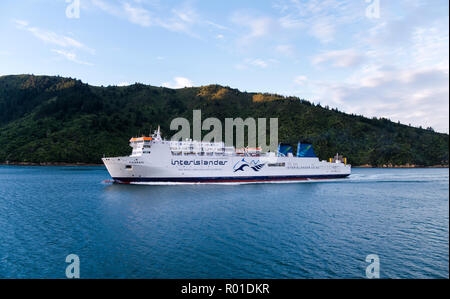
<point>230,179</point>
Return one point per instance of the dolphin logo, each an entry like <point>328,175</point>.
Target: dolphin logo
<point>241,165</point>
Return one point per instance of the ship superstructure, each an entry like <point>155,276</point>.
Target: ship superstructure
<point>155,160</point>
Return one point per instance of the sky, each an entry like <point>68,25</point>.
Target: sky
<point>376,58</point>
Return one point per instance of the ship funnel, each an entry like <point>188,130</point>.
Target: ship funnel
<point>284,149</point>
<point>305,150</point>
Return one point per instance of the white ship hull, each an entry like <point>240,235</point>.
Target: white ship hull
<point>160,165</point>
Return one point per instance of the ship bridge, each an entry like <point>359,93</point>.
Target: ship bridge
<point>141,145</point>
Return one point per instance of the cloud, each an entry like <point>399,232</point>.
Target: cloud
<point>68,43</point>
<point>394,67</point>
<point>177,19</point>
<point>52,37</point>
<point>430,45</point>
<point>181,19</point>
<point>339,58</point>
<point>107,7</point>
<point>289,22</point>
<point>186,14</point>
<point>255,27</point>
<point>286,50</point>
<point>71,56</point>
<point>255,62</point>
<point>323,31</point>
<point>419,97</point>
<point>258,27</point>
<point>218,26</point>
<point>258,62</point>
<point>400,20</point>
<point>137,15</point>
<point>21,23</point>
<point>179,82</point>
<point>300,80</point>
<point>319,18</point>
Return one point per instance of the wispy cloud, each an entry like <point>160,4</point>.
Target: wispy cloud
<point>255,26</point>
<point>300,80</point>
<point>107,7</point>
<point>339,58</point>
<point>137,15</point>
<point>177,19</point>
<point>53,38</point>
<point>286,50</point>
<point>256,62</point>
<point>430,46</point>
<point>324,31</point>
<point>126,10</point>
<point>320,18</point>
<point>71,56</point>
<point>68,43</point>
<point>218,26</point>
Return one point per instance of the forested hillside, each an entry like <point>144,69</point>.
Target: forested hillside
<point>55,119</point>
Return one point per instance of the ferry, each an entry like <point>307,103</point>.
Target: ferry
<point>155,160</point>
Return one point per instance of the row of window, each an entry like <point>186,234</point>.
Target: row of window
<point>277,165</point>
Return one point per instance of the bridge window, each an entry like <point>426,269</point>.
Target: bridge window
<point>277,164</point>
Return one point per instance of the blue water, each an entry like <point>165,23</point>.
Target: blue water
<point>301,230</point>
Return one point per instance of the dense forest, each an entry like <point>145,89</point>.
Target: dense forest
<point>56,119</point>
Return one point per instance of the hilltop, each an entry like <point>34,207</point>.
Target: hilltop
<point>47,119</point>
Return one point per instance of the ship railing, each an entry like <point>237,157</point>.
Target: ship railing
<point>338,159</point>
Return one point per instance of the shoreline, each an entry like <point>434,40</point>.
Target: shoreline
<point>93,164</point>
<point>49,164</point>
<point>400,166</point>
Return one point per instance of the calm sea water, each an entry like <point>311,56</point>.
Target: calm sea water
<point>302,230</point>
